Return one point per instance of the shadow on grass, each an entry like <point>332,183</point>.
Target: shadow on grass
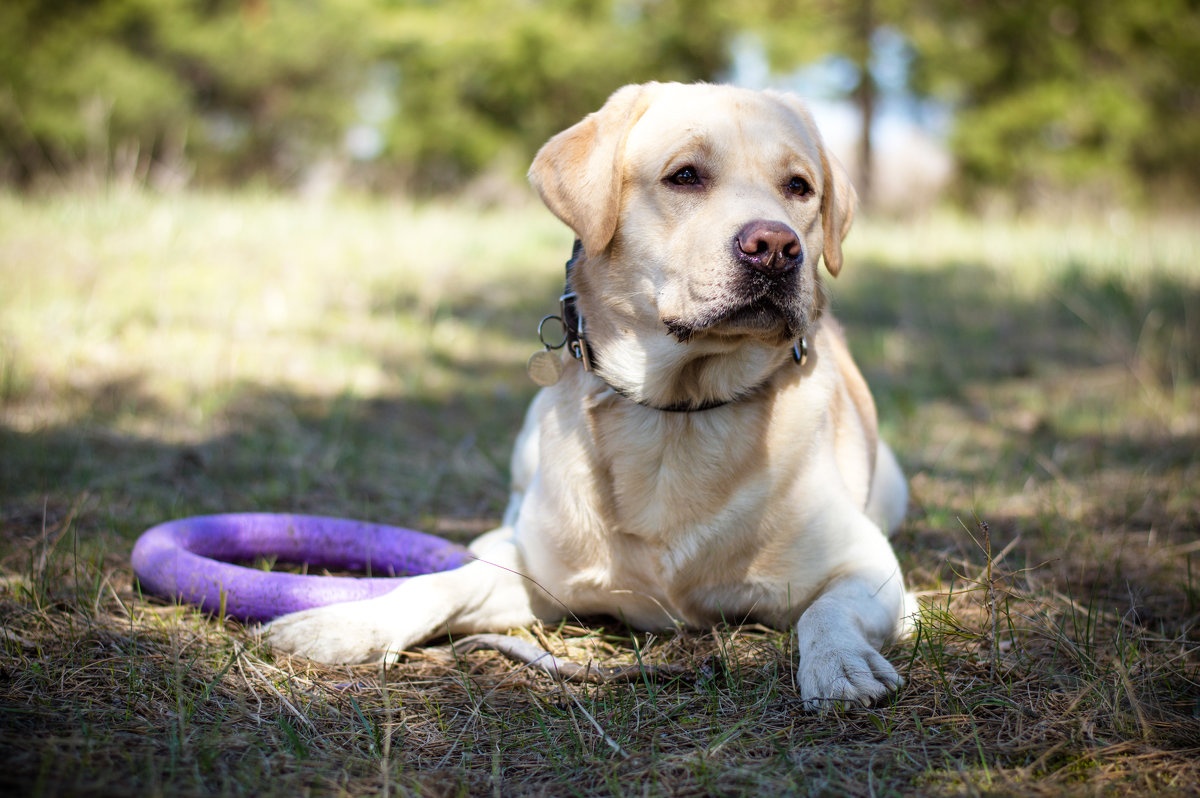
<point>431,463</point>
<point>945,336</point>
<point>1092,378</point>
<point>961,325</point>
<point>510,309</point>
<point>975,382</point>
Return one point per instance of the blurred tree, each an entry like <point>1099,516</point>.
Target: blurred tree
<point>482,80</point>
<point>800,32</point>
<point>1048,95</point>
<point>1102,94</point>
<point>239,86</point>
<point>865,22</point>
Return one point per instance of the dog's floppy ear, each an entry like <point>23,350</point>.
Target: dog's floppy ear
<point>837,209</point>
<point>578,172</point>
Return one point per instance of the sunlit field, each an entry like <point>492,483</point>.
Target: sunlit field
<point>165,356</point>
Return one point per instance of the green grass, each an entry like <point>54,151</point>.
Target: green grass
<point>168,356</point>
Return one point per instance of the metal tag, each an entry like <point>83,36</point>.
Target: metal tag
<point>545,367</point>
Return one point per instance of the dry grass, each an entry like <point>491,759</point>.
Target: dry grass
<point>161,358</point>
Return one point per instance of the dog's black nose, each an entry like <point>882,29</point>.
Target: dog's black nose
<point>768,247</point>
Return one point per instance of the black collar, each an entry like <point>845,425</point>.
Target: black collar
<point>575,339</point>
<point>577,343</point>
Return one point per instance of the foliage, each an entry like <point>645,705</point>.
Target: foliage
<point>484,79</point>
<point>1047,96</point>
<point>238,88</point>
<point>1052,95</point>
<point>233,87</point>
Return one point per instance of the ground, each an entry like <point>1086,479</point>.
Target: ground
<point>164,356</point>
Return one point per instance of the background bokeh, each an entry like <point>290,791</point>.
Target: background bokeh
<point>1022,102</point>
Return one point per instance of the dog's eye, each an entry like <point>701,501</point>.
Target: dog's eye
<point>799,187</point>
<point>687,176</point>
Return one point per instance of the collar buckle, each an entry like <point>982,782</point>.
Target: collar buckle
<point>577,343</point>
<point>800,351</point>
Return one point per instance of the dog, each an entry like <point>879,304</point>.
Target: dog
<point>710,452</point>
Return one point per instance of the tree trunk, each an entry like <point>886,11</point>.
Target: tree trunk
<point>865,95</point>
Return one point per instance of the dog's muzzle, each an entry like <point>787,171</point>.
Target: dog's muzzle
<point>766,289</point>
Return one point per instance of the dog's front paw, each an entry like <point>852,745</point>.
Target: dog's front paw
<point>830,676</point>
<point>838,665</point>
<point>338,633</point>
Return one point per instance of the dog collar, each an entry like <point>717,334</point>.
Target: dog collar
<point>545,367</point>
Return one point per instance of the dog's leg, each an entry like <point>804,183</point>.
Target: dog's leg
<point>487,595</point>
<point>839,635</point>
<point>888,500</point>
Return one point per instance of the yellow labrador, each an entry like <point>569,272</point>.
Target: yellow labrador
<point>712,453</point>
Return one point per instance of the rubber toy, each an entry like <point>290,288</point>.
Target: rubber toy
<point>192,560</point>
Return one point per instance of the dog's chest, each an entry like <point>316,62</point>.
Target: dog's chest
<point>675,477</point>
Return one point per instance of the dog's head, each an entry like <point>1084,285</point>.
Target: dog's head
<point>703,211</point>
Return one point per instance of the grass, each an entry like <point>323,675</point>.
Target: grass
<point>168,356</point>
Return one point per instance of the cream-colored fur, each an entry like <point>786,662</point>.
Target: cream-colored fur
<point>774,507</point>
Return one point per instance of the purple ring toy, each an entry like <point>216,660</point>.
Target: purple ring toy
<point>183,560</point>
